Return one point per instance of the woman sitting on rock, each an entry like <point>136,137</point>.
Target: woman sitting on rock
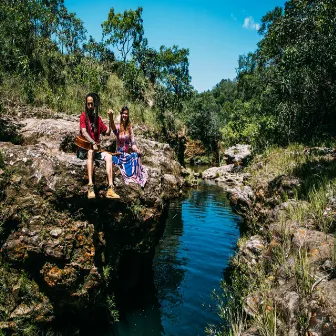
<point>129,161</point>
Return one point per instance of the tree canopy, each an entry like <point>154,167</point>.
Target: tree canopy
<point>124,31</point>
<point>285,90</point>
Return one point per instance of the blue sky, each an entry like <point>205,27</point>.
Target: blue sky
<point>216,32</point>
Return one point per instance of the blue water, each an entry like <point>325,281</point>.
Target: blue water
<point>200,236</point>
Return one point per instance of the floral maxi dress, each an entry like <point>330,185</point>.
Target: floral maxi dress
<point>129,164</point>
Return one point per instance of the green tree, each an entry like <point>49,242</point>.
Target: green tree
<point>173,86</point>
<point>296,60</point>
<point>148,61</point>
<point>71,32</point>
<point>174,70</point>
<point>124,31</point>
<point>225,91</point>
<point>203,120</point>
<point>98,51</point>
<point>286,89</point>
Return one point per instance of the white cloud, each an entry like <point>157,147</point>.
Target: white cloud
<point>250,24</point>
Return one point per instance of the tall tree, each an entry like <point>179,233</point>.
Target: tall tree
<point>124,31</point>
<point>71,32</point>
<point>297,61</point>
<point>174,72</point>
<point>148,61</point>
<point>203,120</point>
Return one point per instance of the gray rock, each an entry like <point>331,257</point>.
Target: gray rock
<point>216,172</point>
<point>238,154</point>
<point>255,244</point>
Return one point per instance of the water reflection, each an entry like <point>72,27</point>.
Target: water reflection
<point>200,235</point>
<point>169,263</point>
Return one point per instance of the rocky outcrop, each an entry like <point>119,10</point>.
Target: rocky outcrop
<point>215,172</point>
<point>70,250</point>
<point>232,179</point>
<point>289,262</point>
<point>238,154</point>
<point>235,158</point>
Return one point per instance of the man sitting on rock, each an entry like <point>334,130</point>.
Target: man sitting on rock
<point>91,126</point>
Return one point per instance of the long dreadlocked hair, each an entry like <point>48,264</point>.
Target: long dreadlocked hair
<point>128,124</point>
<point>96,103</point>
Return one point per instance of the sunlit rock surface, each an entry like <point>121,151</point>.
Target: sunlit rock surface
<point>215,172</point>
<point>238,154</point>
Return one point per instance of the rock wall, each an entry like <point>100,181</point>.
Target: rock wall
<point>287,267</point>
<point>61,254</point>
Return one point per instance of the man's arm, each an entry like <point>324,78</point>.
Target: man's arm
<point>88,138</point>
<point>84,132</point>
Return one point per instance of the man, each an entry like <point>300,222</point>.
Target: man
<point>91,126</point>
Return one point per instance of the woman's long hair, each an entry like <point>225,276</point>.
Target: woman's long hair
<point>96,103</point>
<point>125,128</point>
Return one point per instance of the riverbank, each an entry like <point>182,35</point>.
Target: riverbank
<point>282,281</point>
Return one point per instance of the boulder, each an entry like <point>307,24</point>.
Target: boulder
<point>238,154</point>
<point>216,172</point>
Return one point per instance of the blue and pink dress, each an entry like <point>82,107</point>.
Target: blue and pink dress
<point>129,164</point>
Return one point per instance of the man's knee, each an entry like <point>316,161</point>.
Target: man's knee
<point>108,157</point>
<point>90,154</point>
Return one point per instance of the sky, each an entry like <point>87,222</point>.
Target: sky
<point>216,32</point>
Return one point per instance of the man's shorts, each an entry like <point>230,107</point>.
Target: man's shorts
<point>83,154</point>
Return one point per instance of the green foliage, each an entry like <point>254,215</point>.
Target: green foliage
<point>203,121</point>
<point>148,61</point>
<point>134,81</point>
<point>295,70</point>
<point>98,51</point>
<point>285,91</point>
<point>124,31</point>
<point>225,91</point>
<point>229,302</point>
<point>304,280</point>
<point>107,273</point>
<point>174,72</point>
<point>136,208</point>
<point>111,306</point>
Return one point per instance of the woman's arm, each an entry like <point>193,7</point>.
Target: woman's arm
<point>108,132</point>
<point>111,122</point>
<point>134,146</point>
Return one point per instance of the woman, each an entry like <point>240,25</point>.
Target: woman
<point>129,161</point>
